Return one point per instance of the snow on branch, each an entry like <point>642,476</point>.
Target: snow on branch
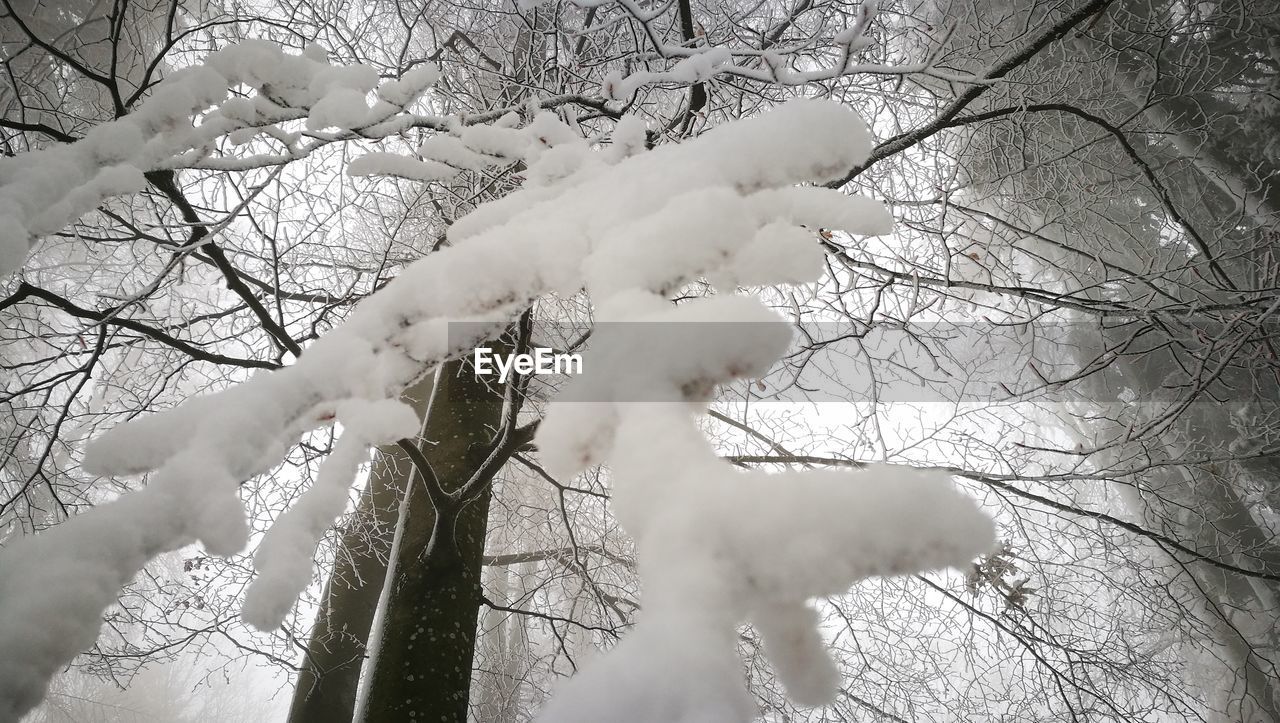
<point>44,191</point>
<point>628,226</point>
<point>770,65</point>
<point>717,546</point>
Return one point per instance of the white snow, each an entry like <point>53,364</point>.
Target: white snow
<point>283,560</point>
<point>451,150</point>
<point>394,164</point>
<point>628,138</point>
<point>798,653</point>
<point>496,140</point>
<point>339,108</point>
<point>696,68</point>
<point>44,191</point>
<point>636,680</point>
<point>404,91</point>
<point>727,547</point>
<point>717,546</point>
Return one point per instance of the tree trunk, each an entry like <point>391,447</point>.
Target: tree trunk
<point>330,674</point>
<point>421,667</point>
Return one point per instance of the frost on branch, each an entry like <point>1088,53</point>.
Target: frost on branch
<point>628,226</point>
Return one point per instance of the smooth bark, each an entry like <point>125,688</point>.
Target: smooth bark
<point>330,672</point>
<point>421,668</point>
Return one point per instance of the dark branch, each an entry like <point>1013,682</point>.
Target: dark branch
<point>26,291</point>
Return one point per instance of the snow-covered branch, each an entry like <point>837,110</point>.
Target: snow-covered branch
<point>628,226</point>
<point>772,65</point>
<point>180,124</point>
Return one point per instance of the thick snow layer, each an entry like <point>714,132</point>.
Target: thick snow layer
<point>339,108</point>
<point>664,357</point>
<point>723,545</point>
<point>629,226</point>
<point>684,670</point>
<point>729,547</point>
<point>410,85</point>
<point>798,653</point>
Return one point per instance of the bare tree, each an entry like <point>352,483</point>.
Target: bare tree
<point>1077,301</point>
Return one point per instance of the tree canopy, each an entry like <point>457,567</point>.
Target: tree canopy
<point>928,366</point>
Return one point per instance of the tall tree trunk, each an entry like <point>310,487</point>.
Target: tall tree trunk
<point>421,665</point>
<point>330,674</point>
